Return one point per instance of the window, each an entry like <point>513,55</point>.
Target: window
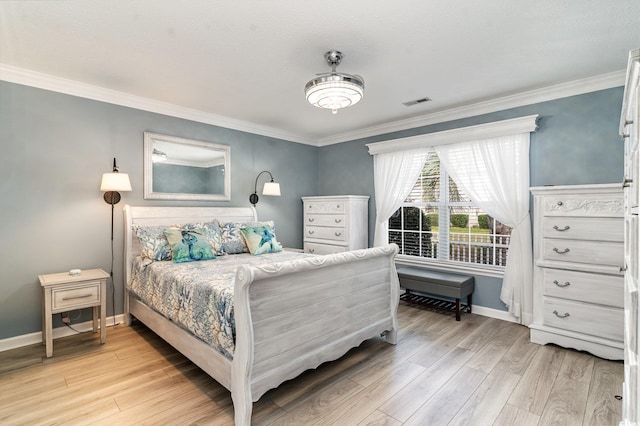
<point>438,222</point>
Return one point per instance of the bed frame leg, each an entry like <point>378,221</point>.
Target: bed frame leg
<point>391,336</point>
<point>242,407</point>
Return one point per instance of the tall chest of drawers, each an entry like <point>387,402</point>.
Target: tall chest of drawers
<point>578,268</point>
<point>335,223</point>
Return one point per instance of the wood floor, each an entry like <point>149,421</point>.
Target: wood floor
<point>479,371</point>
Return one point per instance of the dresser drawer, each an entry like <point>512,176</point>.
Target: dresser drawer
<point>590,252</point>
<point>584,318</point>
<point>583,228</point>
<point>315,248</point>
<point>583,286</point>
<point>335,220</point>
<point>324,207</point>
<point>76,296</point>
<point>591,205</point>
<point>320,233</point>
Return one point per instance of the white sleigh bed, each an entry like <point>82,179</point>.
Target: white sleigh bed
<point>268,300</point>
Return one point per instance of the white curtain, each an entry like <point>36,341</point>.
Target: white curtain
<point>494,173</point>
<point>394,175</point>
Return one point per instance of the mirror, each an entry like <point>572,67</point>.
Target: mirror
<point>184,169</point>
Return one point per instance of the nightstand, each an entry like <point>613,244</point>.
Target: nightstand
<point>64,292</point>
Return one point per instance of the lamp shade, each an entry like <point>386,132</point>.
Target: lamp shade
<point>271,188</point>
<point>115,182</point>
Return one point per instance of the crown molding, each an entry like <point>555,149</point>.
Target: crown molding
<point>39,80</point>
<point>558,91</point>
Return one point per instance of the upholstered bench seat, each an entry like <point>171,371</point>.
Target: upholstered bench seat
<point>436,283</point>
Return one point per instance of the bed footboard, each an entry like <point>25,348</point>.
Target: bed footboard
<point>294,316</point>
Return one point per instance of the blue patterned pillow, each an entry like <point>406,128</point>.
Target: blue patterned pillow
<point>232,240</point>
<point>212,233</point>
<point>153,242</point>
<point>260,240</point>
<point>189,245</point>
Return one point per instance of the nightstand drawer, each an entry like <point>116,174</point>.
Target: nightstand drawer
<point>585,318</point>
<point>335,220</point>
<point>76,296</point>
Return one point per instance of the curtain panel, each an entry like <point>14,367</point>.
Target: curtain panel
<point>494,173</point>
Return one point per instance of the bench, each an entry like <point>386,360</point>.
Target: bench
<point>439,284</point>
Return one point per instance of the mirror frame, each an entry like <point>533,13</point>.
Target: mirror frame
<point>149,138</point>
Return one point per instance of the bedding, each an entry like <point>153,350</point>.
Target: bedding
<point>198,296</point>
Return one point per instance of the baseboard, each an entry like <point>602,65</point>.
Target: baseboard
<point>32,338</point>
<point>493,313</point>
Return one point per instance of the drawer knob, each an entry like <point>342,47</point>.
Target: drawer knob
<point>312,250</point>
<point>311,232</point>
<point>311,219</point>
<point>623,268</point>
<point>337,206</point>
<point>561,251</point>
<point>565,315</point>
<point>566,228</point>
<point>626,182</point>
<point>338,220</point>
<point>566,284</point>
<point>560,203</point>
<point>338,234</point>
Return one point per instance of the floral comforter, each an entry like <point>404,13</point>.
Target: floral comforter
<point>198,296</point>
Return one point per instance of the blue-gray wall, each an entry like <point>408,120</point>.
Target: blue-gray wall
<point>576,142</point>
<point>53,151</point>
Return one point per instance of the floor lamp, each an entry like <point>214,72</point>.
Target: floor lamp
<point>111,184</point>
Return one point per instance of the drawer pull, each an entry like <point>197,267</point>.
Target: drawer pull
<point>561,252</point>
<point>566,284</point>
<point>311,232</point>
<point>337,234</point>
<point>312,250</point>
<point>560,203</point>
<point>565,315</point>
<point>337,206</point>
<point>338,220</point>
<point>82,296</point>
<point>311,219</point>
<point>626,182</point>
<point>566,228</point>
<point>623,268</point>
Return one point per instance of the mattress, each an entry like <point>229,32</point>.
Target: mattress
<point>198,296</point>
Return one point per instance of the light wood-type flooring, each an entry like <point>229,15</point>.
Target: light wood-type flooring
<point>479,371</point>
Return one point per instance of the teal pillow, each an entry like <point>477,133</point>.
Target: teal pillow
<point>232,239</point>
<point>189,245</point>
<point>260,240</point>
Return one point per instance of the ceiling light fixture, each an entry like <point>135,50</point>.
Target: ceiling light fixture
<point>334,90</point>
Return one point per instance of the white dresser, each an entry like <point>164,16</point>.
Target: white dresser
<point>335,223</point>
<point>578,268</point>
<point>630,131</point>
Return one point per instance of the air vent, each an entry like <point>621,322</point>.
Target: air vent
<point>417,101</point>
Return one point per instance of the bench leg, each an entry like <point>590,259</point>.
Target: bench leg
<point>457,309</point>
<point>469,301</point>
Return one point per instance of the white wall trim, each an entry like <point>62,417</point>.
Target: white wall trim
<point>558,91</point>
<point>494,129</point>
<point>493,313</point>
<point>39,80</point>
<point>36,337</point>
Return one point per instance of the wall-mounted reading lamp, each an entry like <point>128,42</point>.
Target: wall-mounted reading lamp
<point>269,188</point>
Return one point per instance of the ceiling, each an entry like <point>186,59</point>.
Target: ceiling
<point>244,64</point>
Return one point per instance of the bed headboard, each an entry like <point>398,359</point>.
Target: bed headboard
<point>150,216</point>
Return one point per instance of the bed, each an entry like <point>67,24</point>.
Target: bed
<point>290,316</point>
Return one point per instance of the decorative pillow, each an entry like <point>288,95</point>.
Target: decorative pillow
<point>232,240</point>
<point>212,233</point>
<point>153,242</point>
<point>260,240</point>
<point>189,245</point>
